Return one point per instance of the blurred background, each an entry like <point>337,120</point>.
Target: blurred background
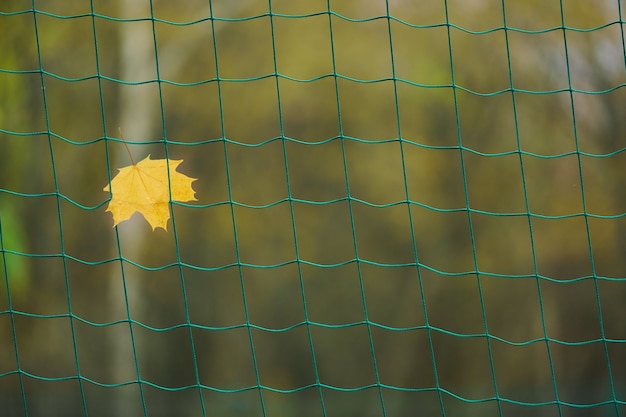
<point>404,208</point>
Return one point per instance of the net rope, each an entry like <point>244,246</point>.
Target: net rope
<point>384,404</point>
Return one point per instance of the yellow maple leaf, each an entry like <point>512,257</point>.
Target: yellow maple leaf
<point>143,188</point>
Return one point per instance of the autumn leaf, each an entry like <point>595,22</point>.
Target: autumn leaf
<point>143,188</point>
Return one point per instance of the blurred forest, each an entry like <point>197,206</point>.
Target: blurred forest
<point>404,208</point>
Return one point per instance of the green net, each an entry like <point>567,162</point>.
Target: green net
<point>404,208</point>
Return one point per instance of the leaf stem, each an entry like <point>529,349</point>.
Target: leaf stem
<point>127,148</point>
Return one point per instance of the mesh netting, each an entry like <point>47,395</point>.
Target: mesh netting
<point>403,208</point>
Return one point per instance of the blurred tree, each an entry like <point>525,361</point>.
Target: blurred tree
<point>333,154</point>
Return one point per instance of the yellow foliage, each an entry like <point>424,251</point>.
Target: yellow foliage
<point>144,188</point>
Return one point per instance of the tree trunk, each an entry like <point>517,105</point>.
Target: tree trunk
<point>137,116</point>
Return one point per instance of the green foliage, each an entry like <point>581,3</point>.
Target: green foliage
<point>13,263</point>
